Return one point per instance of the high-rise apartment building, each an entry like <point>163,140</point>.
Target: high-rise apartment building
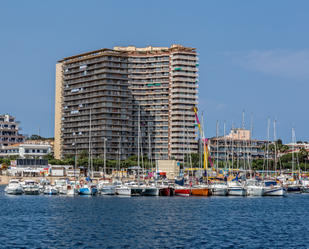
<point>164,82</point>
<point>9,131</point>
<point>93,83</point>
<point>114,84</point>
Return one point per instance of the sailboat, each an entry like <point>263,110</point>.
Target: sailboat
<point>89,188</point>
<point>201,190</point>
<point>294,185</point>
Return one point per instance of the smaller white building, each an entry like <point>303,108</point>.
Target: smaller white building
<point>26,150</point>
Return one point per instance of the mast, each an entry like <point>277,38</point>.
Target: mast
<point>89,154</point>
<point>217,146</point>
<point>203,137</point>
<point>138,142</point>
<point>293,152</point>
<point>149,149</point>
<point>267,147</point>
<point>119,155</point>
<point>183,151</point>
<point>243,139</point>
<point>75,158</point>
<point>251,133</point>
<point>225,155</point>
<point>238,149</point>
<point>232,137</point>
<point>104,157</point>
<point>275,148</point>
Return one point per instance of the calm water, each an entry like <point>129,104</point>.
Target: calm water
<point>153,222</point>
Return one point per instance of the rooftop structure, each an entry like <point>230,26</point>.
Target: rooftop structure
<point>9,131</point>
<point>25,150</point>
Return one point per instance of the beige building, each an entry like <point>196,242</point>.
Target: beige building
<point>9,131</point>
<point>114,83</point>
<point>164,81</point>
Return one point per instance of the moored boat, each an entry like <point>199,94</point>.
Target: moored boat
<point>14,187</point>
<point>273,189</point>
<point>200,190</point>
<point>182,191</point>
<point>31,188</point>
<point>235,188</point>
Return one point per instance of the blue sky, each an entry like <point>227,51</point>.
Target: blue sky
<point>254,56</point>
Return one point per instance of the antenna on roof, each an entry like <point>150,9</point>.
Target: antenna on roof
<point>39,131</point>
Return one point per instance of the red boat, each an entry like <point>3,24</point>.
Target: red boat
<point>165,191</point>
<point>182,191</point>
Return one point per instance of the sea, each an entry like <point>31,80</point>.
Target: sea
<point>153,222</point>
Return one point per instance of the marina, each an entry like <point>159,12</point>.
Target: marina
<point>231,221</point>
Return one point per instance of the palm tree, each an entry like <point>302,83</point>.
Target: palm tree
<point>83,154</point>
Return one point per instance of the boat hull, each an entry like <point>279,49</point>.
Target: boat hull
<point>295,189</point>
<point>305,190</point>
<point>123,191</point>
<point>276,192</point>
<point>182,192</point>
<point>200,191</point>
<point>32,191</point>
<point>108,191</point>
<point>72,192</point>
<point>255,191</point>
<point>219,191</point>
<point>165,192</point>
<point>17,191</point>
<point>50,192</point>
<point>150,192</point>
<point>88,191</point>
<point>237,192</point>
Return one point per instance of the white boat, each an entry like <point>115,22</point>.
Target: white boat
<point>150,191</point>
<point>305,186</point>
<point>255,187</point>
<point>218,188</point>
<point>31,188</point>
<point>14,187</point>
<point>50,190</point>
<point>42,183</point>
<point>88,189</point>
<point>73,188</point>
<point>62,186</point>
<point>273,189</point>
<point>235,188</point>
<point>121,189</point>
<point>108,190</point>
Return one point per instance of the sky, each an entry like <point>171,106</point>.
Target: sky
<point>253,55</point>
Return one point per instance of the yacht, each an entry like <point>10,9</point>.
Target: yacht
<point>182,190</point>
<point>235,188</point>
<point>14,187</point>
<point>294,186</point>
<point>88,189</point>
<point>273,189</point>
<point>305,186</point>
<point>73,188</point>
<point>50,190</point>
<point>255,187</point>
<point>121,189</point>
<point>31,187</point>
<point>62,186</point>
<point>218,188</point>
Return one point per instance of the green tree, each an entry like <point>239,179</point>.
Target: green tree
<point>48,156</point>
<point>83,154</point>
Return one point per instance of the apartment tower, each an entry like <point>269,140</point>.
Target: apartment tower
<point>161,82</point>
<point>92,88</point>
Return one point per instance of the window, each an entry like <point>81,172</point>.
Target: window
<point>26,151</point>
<point>44,151</point>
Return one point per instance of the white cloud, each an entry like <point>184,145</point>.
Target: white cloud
<point>282,63</point>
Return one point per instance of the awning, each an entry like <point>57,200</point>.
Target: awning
<point>31,171</point>
<point>162,174</point>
